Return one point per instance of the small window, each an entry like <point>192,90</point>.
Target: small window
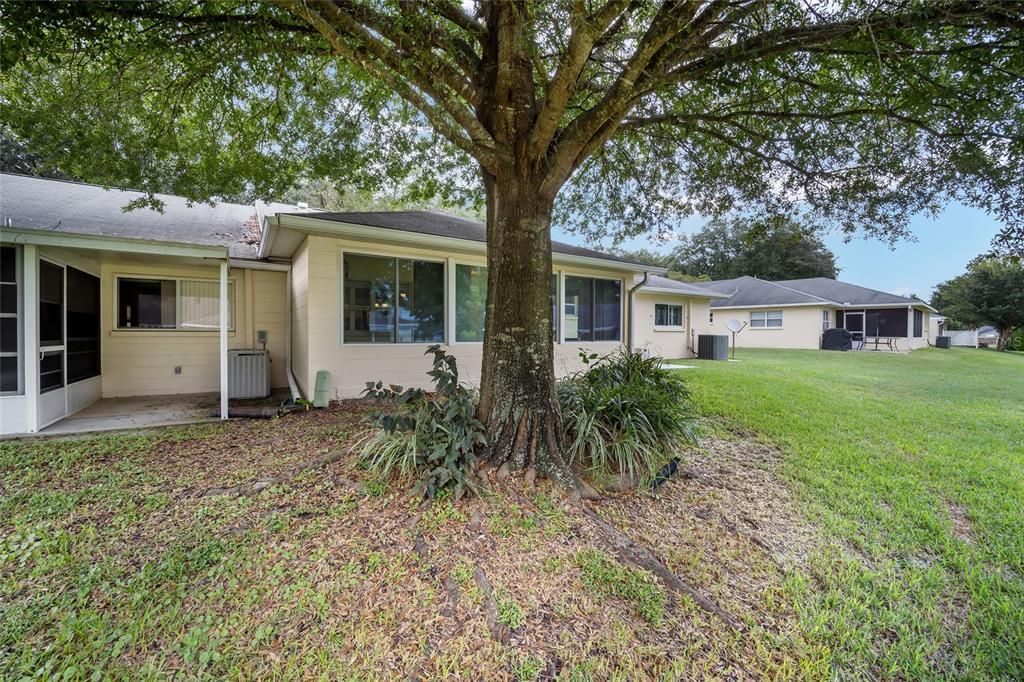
<point>824,320</point>
<point>190,304</point>
<point>766,319</point>
<point>666,315</point>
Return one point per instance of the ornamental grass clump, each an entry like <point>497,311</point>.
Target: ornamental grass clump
<point>625,414</point>
<point>432,437</point>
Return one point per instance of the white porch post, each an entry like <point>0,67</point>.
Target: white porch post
<point>449,317</point>
<point>30,335</point>
<point>224,339</point>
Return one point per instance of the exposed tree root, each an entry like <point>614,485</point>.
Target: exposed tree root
<point>499,630</point>
<point>628,551</point>
<point>264,483</point>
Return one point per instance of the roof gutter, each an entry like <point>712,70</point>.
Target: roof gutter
<point>629,312</point>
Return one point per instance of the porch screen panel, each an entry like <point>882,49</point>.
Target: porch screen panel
<point>51,304</point>
<point>83,319</point>
<point>918,324</point>
<point>886,322</point>
<point>10,315</point>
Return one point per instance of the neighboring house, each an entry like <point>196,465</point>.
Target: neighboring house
<point>936,327</point>
<point>101,303</point>
<point>988,336</point>
<point>794,313</point>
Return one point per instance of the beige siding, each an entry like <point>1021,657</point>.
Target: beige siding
<point>268,298</point>
<point>143,361</point>
<point>801,327</point>
<point>667,343</point>
<point>352,365</point>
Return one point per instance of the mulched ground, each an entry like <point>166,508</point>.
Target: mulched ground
<point>351,577</point>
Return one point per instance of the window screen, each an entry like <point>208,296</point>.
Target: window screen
<point>83,319</point>
<point>666,315</point>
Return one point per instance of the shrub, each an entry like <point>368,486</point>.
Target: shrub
<point>625,414</point>
<point>430,436</point>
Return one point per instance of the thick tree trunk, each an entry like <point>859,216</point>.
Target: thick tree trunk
<point>517,388</point>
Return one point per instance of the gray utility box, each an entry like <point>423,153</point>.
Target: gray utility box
<point>712,347</point>
<point>942,342</point>
<point>248,373</point>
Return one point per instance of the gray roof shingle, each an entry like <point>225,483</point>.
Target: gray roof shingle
<point>80,208</point>
<point>751,292</point>
<point>693,289</point>
<point>844,293</point>
<point>441,224</point>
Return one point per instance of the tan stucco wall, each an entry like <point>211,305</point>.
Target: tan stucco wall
<point>801,328</point>
<point>667,343</point>
<point>143,361</point>
<point>352,365</point>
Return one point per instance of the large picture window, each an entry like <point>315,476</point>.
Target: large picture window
<point>165,303</point>
<point>10,321</point>
<point>83,318</point>
<point>766,319</point>
<point>667,315</point>
<point>392,300</point>
<point>593,309</point>
<point>471,302</point>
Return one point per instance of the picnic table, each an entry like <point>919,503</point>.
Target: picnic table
<point>890,343</point>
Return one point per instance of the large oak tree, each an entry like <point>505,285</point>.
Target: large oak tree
<point>610,116</point>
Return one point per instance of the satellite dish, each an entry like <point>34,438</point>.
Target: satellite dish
<point>735,326</point>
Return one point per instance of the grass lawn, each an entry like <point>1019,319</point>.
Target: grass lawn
<point>860,514</point>
<point>913,466</point>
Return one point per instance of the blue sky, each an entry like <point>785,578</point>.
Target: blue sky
<point>943,248</point>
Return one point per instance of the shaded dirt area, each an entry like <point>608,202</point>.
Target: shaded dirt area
<point>336,574</point>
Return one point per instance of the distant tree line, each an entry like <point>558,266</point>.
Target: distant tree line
<point>771,249</point>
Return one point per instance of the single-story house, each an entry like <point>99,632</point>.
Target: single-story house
<point>99,303</point>
<point>794,313</point>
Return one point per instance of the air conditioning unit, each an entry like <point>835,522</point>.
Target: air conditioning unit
<point>248,373</point>
<point>942,341</point>
<point>712,347</point>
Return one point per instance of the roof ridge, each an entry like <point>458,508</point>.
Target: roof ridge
<point>799,291</point>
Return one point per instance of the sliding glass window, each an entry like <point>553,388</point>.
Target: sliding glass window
<point>471,303</point>
<point>593,309</point>
<point>392,300</point>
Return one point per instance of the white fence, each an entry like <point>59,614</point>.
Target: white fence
<point>963,338</point>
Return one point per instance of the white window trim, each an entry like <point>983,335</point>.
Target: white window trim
<point>448,313</point>
<point>177,305</point>
<point>765,313</point>
<point>670,327</point>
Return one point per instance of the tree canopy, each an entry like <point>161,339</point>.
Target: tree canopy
<point>610,117</point>
<point>854,114</point>
<point>991,292</point>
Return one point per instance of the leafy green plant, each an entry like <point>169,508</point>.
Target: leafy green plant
<point>625,413</point>
<point>603,574</point>
<point>432,436</point>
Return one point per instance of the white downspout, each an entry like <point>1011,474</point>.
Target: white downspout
<point>630,316</point>
<point>224,339</point>
<point>292,385</point>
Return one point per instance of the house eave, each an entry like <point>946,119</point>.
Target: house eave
<point>677,292</point>
<point>342,229</point>
<point>25,235</point>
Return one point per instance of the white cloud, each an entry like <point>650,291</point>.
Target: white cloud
<point>902,291</point>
